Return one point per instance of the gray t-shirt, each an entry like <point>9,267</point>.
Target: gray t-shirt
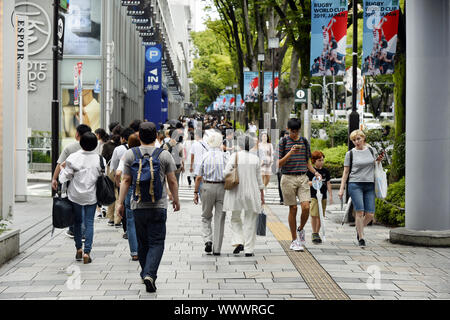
<point>71,148</point>
<point>363,167</point>
<point>167,166</point>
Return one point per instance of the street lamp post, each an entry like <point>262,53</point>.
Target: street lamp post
<point>353,123</point>
<point>235,106</point>
<point>274,43</point>
<point>261,59</point>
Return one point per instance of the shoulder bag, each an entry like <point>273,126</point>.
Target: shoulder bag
<point>105,188</point>
<point>232,178</point>
<point>62,211</point>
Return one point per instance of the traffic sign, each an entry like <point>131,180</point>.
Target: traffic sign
<point>301,96</point>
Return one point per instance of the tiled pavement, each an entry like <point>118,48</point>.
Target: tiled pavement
<point>48,270</point>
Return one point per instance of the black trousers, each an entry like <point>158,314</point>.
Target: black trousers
<point>279,186</point>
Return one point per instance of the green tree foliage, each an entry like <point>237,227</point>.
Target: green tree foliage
<point>211,72</point>
<point>387,212</point>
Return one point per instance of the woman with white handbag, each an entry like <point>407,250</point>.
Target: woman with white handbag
<point>359,169</point>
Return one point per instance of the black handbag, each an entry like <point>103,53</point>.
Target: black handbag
<point>261,223</point>
<point>62,211</point>
<point>105,188</point>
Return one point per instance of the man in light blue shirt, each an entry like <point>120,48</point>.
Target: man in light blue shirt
<point>211,172</point>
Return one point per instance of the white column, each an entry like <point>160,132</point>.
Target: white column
<point>428,115</point>
<point>8,113</point>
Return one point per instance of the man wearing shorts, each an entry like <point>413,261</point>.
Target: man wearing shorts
<point>294,161</point>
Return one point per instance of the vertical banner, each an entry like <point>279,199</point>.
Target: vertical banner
<point>80,90</point>
<point>251,88</point>
<point>268,86</point>
<point>328,37</point>
<point>21,108</point>
<point>380,36</point>
<point>152,82</point>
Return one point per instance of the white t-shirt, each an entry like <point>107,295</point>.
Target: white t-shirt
<point>198,148</point>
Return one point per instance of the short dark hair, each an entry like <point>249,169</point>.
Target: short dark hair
<point>102,134</point>
<point>83,128</point>
<point>179,125</point>
<point>147,132</point>
<point>112,125</point>
<point>135,125</point>
<point>294,124</point>
<point>126,133</point>
<point>117,130</point>
<point>88,141</point>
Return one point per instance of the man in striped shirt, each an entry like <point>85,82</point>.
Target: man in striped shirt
<point>294,160</point>
<point>211,172</point>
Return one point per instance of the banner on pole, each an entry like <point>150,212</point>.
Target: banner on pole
<point>328,37</point>
<point>379,36</point>
<point>251,87</point>
<point>153,83</point>
<point>268,86</point>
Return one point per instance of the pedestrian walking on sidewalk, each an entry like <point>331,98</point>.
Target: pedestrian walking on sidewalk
<point>198,149</point>
<point>283,134</point>
<point>266,157</point>
<point>133,141</point>
<point>150,217</point>
<point>210,171</point>
<point>107,153</point>
<point>361,181</point>
<point>71,148</point>
<point>294,156</point>
<point>82,169</point>
<point>317,159</point>
<point>247,196</point>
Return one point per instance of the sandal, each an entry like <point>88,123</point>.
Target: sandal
<point>87,258</point>
<point>79,255</point>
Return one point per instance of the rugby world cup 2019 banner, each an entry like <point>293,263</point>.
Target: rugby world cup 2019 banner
<point>251,87</point>
<point>380,36</point>
<point>328,37</point>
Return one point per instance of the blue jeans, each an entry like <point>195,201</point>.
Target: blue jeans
<point>363,196</point>
<point>89,214</point>
<point>83,228</point>
<point>131,228</point>
<point>151,234</point>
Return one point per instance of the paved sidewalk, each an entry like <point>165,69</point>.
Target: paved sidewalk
<point>48,270</point>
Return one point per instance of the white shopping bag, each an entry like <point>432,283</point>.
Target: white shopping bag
<point>381,185</point>
<point>317,184</point>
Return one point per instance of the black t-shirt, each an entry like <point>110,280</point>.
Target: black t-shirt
<point>325,178</point>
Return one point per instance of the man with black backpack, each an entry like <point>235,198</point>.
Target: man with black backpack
<point>145,170</point>
<point>294,156</point>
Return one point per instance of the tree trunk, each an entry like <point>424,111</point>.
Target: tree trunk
<point>286,94</point>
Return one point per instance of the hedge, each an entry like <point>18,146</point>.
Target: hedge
<point>387,213</point>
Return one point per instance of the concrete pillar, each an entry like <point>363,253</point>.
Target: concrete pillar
<point>428,115</point>
<point>7,148</point>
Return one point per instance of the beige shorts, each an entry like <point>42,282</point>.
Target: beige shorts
<point>314,207</point>
<point>294,186</point>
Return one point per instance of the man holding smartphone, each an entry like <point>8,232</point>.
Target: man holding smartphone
<point>294,160</point>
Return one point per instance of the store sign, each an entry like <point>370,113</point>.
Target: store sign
<point>37,72</point>
<point>140,20</point>
<point>61,26</point>
<point>153,84</point>
<point>131,2</point>
<point>39,26</point>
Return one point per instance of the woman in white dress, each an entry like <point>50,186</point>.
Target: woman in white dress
<point>247,196</point>
<point>266,158</point>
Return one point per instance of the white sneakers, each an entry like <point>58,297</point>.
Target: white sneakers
<point>301,237</point>
<point>296,245</point>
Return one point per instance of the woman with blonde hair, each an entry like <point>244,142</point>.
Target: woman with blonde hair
<point>361,181</point>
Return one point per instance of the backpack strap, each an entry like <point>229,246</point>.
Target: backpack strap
<point>102,166</point>
<point>372,152</point>
<point>138,157</point>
